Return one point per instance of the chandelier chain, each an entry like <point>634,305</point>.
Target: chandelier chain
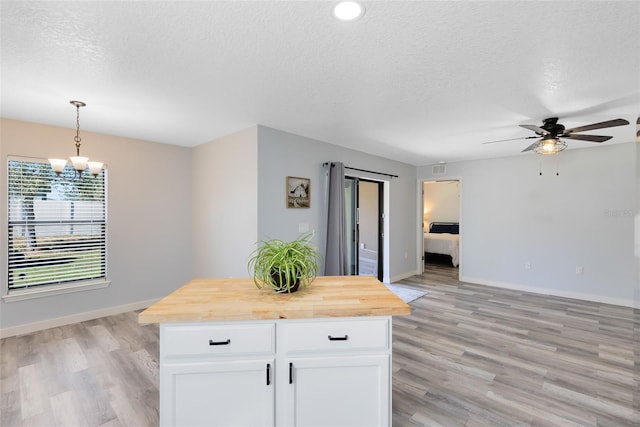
<point>77,138</point>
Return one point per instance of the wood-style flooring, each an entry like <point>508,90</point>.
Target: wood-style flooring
<point>468,355</point>
<point>472,355</point>
<point>102,372</point>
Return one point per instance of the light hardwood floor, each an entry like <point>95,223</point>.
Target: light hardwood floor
<point>473,355</point>
<point>102,372</point>
<point>468,355</point>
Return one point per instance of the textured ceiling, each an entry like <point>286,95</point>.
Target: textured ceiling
<point>414,81</point>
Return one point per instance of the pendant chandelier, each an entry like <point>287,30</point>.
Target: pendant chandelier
<point>79,163</point>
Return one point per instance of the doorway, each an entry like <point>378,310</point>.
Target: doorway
<point>365,231</point>
<point>441,220</point>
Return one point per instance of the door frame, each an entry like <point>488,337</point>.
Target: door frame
<point>383,223</point>
<point>420,223</point>
<point>380,221</point>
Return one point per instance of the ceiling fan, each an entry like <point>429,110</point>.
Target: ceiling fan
<point>551,131</point>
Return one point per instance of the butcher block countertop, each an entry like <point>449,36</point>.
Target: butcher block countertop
<point>205,300</point>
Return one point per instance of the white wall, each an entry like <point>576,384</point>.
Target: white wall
<point>149,219</point>
<point>441,202</point>
<point>282,154</point>
<point>225,204</point>
<point>582,218</point>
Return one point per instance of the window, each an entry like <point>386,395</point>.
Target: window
<point>56,226</point>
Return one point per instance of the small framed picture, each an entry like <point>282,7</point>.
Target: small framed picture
<point>298,192</point>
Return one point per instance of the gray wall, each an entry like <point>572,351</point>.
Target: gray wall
<point>282,154</point>
<point>582,218</point>
<point>175,213</point>
<point>149,219</point>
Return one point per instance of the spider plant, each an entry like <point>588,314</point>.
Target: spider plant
<point>284,266</point>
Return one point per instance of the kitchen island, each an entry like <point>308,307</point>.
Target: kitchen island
<point>234,355</point>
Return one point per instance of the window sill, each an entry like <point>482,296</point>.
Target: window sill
<point>47,291</point>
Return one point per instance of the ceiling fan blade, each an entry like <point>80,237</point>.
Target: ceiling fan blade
<point>536,129</point>
<point>592,138</point>
<point>531,147</point>
<point>601,125</point>
<point>511,139</point>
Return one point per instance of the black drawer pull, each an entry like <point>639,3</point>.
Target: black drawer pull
<point>268,373</point>
<point>212,342</point>
<point>344,338</point>
<point>290,373</point>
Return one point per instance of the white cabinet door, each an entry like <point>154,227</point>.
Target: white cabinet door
<point>337,391</point>
<point>224,393</point>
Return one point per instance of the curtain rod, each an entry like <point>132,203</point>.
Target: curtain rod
<point>364,170</point>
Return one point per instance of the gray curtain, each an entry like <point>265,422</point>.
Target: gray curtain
<point>335,261</point>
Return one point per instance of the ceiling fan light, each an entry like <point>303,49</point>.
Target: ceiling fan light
<point>550,146</point>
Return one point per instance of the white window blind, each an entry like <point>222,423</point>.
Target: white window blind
<point>56,225</point>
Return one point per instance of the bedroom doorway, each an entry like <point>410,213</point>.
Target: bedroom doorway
<point>441,224</point>
<point>365,231</point>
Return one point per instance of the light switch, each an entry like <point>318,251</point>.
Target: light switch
<point>303,228</point>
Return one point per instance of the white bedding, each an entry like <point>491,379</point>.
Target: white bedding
<point>443,243</point>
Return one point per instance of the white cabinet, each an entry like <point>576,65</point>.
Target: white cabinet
<point>229,393</point>
<point>217,374</point>
<point>338,391</point>
<point>338,372</point>
<point>307,372</point>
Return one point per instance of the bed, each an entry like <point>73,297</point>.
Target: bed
<point>443,238</point>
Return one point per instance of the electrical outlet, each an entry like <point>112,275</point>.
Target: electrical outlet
<point>527,265</point>
<point>579,270</point>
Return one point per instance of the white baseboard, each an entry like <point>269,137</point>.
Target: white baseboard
<point>74,318</point>
<point>403,276</point>
<point>554,292</point>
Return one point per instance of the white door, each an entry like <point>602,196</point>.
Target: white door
<point>338,391</point>
<point>228,393</point>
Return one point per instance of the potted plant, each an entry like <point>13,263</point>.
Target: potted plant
<point>284,266</point>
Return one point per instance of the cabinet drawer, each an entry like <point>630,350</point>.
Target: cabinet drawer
<point>338,335</point>
<point>211,339</point>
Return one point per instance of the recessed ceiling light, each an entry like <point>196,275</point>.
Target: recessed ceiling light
<point>348,10</point>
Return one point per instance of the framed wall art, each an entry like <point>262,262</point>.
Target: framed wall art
<point>298,192</point>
